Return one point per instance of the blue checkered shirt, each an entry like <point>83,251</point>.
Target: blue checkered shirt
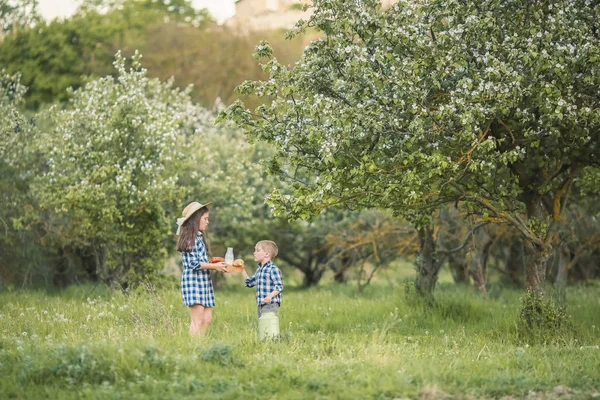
<point>196,284</point>
<point>266,279</point>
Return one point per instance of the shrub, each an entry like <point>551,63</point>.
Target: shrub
<point>542,321</point>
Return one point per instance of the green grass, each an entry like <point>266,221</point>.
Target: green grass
<point>96,343</point>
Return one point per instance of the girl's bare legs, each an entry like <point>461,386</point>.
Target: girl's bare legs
<point>197,316</point>
<point>207,319</point>
<point>201,317</point>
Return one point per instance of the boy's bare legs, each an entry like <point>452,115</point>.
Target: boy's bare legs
<point>201,317</point>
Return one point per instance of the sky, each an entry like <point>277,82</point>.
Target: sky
<point>220,9</point>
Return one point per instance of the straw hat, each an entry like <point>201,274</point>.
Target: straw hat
<point>188,211</point>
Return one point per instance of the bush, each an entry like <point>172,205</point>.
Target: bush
<point>542,321</point>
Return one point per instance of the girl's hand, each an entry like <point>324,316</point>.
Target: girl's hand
<point>220,266</point>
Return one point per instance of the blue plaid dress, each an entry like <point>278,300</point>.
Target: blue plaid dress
<point>196,285</point>
<point>266,279</point>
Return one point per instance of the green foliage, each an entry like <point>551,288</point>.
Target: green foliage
<point>538,226</point>
<point>50,59</point>
<point>15,128</point>
<point>111,171</point>
<point>423,104</point>
<point>175,38</point>
<point>589,184</point>
<point>57,55</point>
<point>18,161</point>
<point>140,13</point>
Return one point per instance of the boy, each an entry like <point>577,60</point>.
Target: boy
<point>267,278</point>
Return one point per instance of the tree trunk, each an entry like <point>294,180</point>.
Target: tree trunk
<point>535,270</point>
<point>60,276</point>
<point>537,254</point>
<point>427,265</point>
<point>514,262</point>
<point>477,270</point>
<point>339,277</point>
<point>478,259</point>
<point>89,263</point>
<point>314,268</point>
<point>312,276</point>
<point>459,268</point>
<point>450,236</point>
<point>344,265</point>
<point>564,258</point>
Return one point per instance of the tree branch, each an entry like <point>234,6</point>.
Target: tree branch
<point>513,220</point>
<point>464,242</point>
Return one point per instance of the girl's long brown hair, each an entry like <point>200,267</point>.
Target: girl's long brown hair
<point>189,231</point>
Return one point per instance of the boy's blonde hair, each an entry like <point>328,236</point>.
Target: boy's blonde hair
<point>269,246</point>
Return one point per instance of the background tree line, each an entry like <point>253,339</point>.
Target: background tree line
<point>175,39</point>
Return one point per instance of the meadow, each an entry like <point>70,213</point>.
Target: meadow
<point>90,342</point>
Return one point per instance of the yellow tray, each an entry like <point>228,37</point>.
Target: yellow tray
<point>234,270</point>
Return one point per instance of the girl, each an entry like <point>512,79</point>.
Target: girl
<point>196,284</point>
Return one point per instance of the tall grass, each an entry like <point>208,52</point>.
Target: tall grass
<point>336,343</point>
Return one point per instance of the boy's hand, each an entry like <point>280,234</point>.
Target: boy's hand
<point>267,300</point>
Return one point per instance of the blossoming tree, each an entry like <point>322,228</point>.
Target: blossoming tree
<point>112,171</point>
<point>490,104</point>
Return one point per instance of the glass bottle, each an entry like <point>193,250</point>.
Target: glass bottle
<point>229,256</point>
